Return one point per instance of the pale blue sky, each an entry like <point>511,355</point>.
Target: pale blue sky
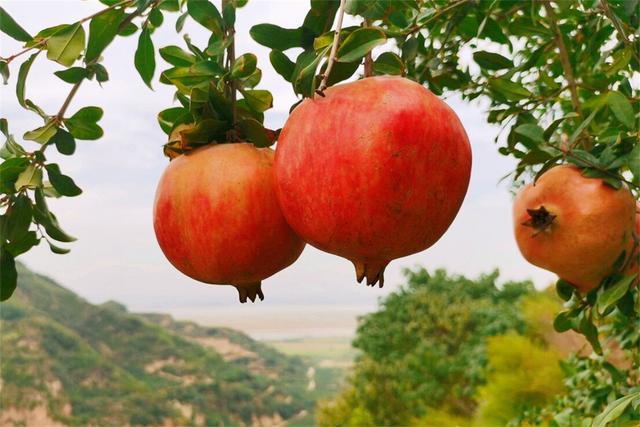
<point>116,255</point>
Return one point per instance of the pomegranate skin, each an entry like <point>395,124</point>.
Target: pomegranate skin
<point>375,170</point>
<point>593,225</point>
<point>217,219</point>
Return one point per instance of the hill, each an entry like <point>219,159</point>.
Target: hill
<point>68,362</point>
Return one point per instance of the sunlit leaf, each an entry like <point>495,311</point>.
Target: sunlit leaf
<point>66,45</point>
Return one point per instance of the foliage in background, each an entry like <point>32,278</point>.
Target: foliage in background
<point>98,364</point>
<point>425,349</point>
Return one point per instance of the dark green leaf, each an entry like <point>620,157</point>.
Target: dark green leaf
<point>83,124</point>
<point>304,74</point>
<point>64,142</point>
<point>389,63</point>
<point>492,61</point>
<point>341,71</point>
<point>177,57</point>
<point>621,108</point>
<point>206,14</point>
<point>180,21</point>
<point>562,322</point>
<point>101,73</point>
<point>282,64</point>
<point>255,133</point>
<point>102,30</point>
<point>275,37</point>
<point>44,217</point>
<point>534,132</point>
<point>258,100</point>
<point>72,75</point>
<point>155,17</point>
<point>11,28</point>
<point>614,410</point>
<point>205,131</point>
<point>195,74</point>
<point>22,79</point>
<point>564,289</point>
<point>24,244</point>
<point>62,183</point>
<point>66,45</point>
<point>576,133</point>
<point>359,43</point>
<point>128,30</point>
<point>58,250</point>
<point>229,15</point>
<point>169,117</point>
<point>4,72</point>
<point>320,16</point>
<point>509,89</point>
<point>144,59</point>
<point>612,294</point>
<point>244,66</point>
<point>18,218</point>
<point>8,274</point>
<point>588,329</point>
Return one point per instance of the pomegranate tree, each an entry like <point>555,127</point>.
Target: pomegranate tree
<point>373,170</point>
<point>217,219</point>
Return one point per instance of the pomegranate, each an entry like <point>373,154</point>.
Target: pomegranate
<point>372,171</point>
<point>574,226</point>
<point>217,219</point>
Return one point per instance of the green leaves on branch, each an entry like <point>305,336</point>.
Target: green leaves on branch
<point>84,123</point>
<point>144,58</point>
<point>102,30</point>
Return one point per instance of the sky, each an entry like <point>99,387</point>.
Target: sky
<point>116,256</point>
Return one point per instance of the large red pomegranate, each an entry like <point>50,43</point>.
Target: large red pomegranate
<point>574,226</point>
<point>217,219</point>
<point>375,170</point>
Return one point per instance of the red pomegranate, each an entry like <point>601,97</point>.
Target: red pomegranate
<point>217,219</point>
<point>574,226</point>
<point>375,170</point>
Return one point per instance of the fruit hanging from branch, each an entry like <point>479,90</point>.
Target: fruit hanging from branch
<point>217,219</point>
<point>374,170</point>
<point>574,226</point>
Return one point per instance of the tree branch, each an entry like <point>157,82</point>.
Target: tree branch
<point>564,58</point>
<point>368,60</point>
<point>604,4</point>
<point>334,49</point>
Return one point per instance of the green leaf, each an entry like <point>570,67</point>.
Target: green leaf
<point>258,100</point>
<point>304,74</point>
<point>564,289</point>
<point>492,61</point>
<point>155,17</point>
<point>359,43</point>
<point>620,61</point>
<point>320,16</point>
<point>341,71</point>
<point>83,124</point>
<point>144,58</point>
<point>508,89</point>
<point>282,64</point>
<point>255,133</point>
<point>534,132</point>
<point>170,117</point>
<point>195,74</point>
<point>18,218</point>
<point>22,79</point>
<point>614,410</point>
<point>24,244</point>
<point>588,329</point>
<point>102,30</point>
<point>180,21</point>
<point>11,168</point>
<point>11,28</point>
<point>389,63</point>
<point>4,72</point>
<point>100,72</point>
<point>31,177</point>
<point>177,57</point>
<point>217,47</point>
<point>229,15</point>
<point>64,142</point>
<point>58,250</point>
<point>205,131</point>
<point>576,133</point>
<point>62,183</point>
<point>72,75</point>
<point>206,14</point>
<point>8,273</point>
<point>275,37</point>
<point>244,66</point>
<point>43,216</point>
<point>621,108</point>
<point>562,322</point>
<point>611,295</point>
<point>66,45</point>
<point>43,133</point>
<point>128,30</point>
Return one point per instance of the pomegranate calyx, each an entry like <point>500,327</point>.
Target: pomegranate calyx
<point>250,291</point>
<point>541,220</point>
<point>373,271</point>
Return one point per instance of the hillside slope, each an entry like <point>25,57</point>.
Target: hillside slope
<point>68,362</point>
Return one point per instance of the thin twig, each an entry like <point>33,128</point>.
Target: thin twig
<point>60,116</point>
<point>231,59</point>
<point>334,49</point>
<point>564,58</point>
<point>616,23</point>
<point>368,60</point>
